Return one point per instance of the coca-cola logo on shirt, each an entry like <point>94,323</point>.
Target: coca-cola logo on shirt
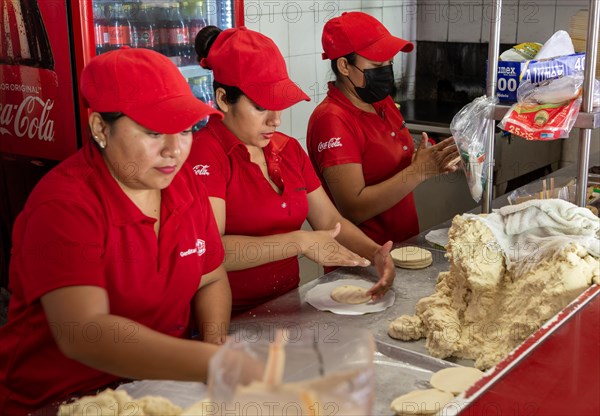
<point>30,118</point>
<point>201,170</point>
<point>330,144</point>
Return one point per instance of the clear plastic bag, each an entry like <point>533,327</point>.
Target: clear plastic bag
<point>307,370</point>
<point>545,110</point>
<point>469,128</point>
<point>552,188</point>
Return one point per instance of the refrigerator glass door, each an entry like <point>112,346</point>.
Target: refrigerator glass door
<point>37,109</point>
<point>168,27</point>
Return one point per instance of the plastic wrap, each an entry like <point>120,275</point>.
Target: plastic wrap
<point>559,188</point>
<point>545,110</point>
<point>307,371</point>
<point>469,128</point>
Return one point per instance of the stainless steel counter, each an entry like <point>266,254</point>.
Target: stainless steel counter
<point>401,366</point>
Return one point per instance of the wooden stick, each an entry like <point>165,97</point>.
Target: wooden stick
<point>543,189</point>
<point>552,189</point>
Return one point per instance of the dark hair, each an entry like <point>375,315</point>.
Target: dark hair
<point>351,58</point>
<point>111,117</point>
<point>204,40</point>
<point>202,44</point>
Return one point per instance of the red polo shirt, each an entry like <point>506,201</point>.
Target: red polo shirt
<point>253,208</point>
<point>340,133</point>
<point>79,228</point>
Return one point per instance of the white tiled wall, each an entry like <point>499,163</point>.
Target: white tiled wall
<point>296,27</point>
<point>469,20</point>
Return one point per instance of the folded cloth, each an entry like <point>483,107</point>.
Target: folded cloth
<point>536,229</point>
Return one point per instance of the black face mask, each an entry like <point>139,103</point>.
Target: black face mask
<point>379,83</point>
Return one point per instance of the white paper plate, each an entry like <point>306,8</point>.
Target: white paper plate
<point>319,297</point>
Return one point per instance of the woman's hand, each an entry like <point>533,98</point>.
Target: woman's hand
<point>322,247</point>
<point>385,270</point>
<point>435,160</point>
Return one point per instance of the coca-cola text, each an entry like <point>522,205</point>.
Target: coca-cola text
<point>331,143</point>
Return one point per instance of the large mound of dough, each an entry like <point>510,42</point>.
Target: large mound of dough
<point>482,311</point>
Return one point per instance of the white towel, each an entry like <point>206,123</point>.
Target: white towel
<point>537,228</point>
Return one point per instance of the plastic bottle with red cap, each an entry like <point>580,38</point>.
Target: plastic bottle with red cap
<point>178,39</point>
<point>119,29</point>
<point>148,30</point>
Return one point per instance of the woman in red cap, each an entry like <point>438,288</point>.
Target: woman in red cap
<point>357,139</point>
<point>261,184</point>
<point>116,250</point>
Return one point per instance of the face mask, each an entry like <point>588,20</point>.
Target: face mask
<point>379,84</point>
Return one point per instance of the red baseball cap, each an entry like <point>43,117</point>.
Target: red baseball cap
<point>145,86</point>
<point>363,34</point>
<point>246,59</point>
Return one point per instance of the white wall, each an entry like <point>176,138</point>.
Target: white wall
<point>469,20</point>
<point>296,27</point>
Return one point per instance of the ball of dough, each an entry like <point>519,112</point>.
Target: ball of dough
<point>406,328</point>
<point>350,294</point>
<point>455,380</point>
<point>421,402</point>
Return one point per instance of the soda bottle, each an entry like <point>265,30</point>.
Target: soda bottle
<point>207,91</point>
<point>225,14</point>
<point>131,15</point>
<point>119,30</point>
<point>162,19</point>
<point>178,36</point>
<point>195,23</point>
<point>147,30</point>
<point>24,40</point>
<point>100,28</point>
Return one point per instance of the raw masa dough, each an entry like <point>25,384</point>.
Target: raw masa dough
<point>406,328</point>
<point>421,402</point>
<point>455,380</point>
<point>411,257</point>
<point>350,294</point>
<point>480,309</point>
<point>118,403</point>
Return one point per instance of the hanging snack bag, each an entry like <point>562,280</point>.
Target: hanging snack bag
<point>545,111</point>
<point>469,128</point>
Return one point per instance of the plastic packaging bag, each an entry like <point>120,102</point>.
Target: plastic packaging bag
<point>521,52</point>
<point>559,44</point>
<point>469,128</point>
<point>307,370</point>
<point>552,188</point>
<point>546,110</point>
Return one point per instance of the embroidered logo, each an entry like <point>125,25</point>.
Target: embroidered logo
<point>330,144</point>
<point>199,249</point>
<point>201,170</point>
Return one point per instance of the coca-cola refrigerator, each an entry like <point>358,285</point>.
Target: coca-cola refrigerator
<point>45,44</point>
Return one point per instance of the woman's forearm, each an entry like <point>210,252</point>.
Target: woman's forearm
<point>118,346</point>
<point>244,252</point>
